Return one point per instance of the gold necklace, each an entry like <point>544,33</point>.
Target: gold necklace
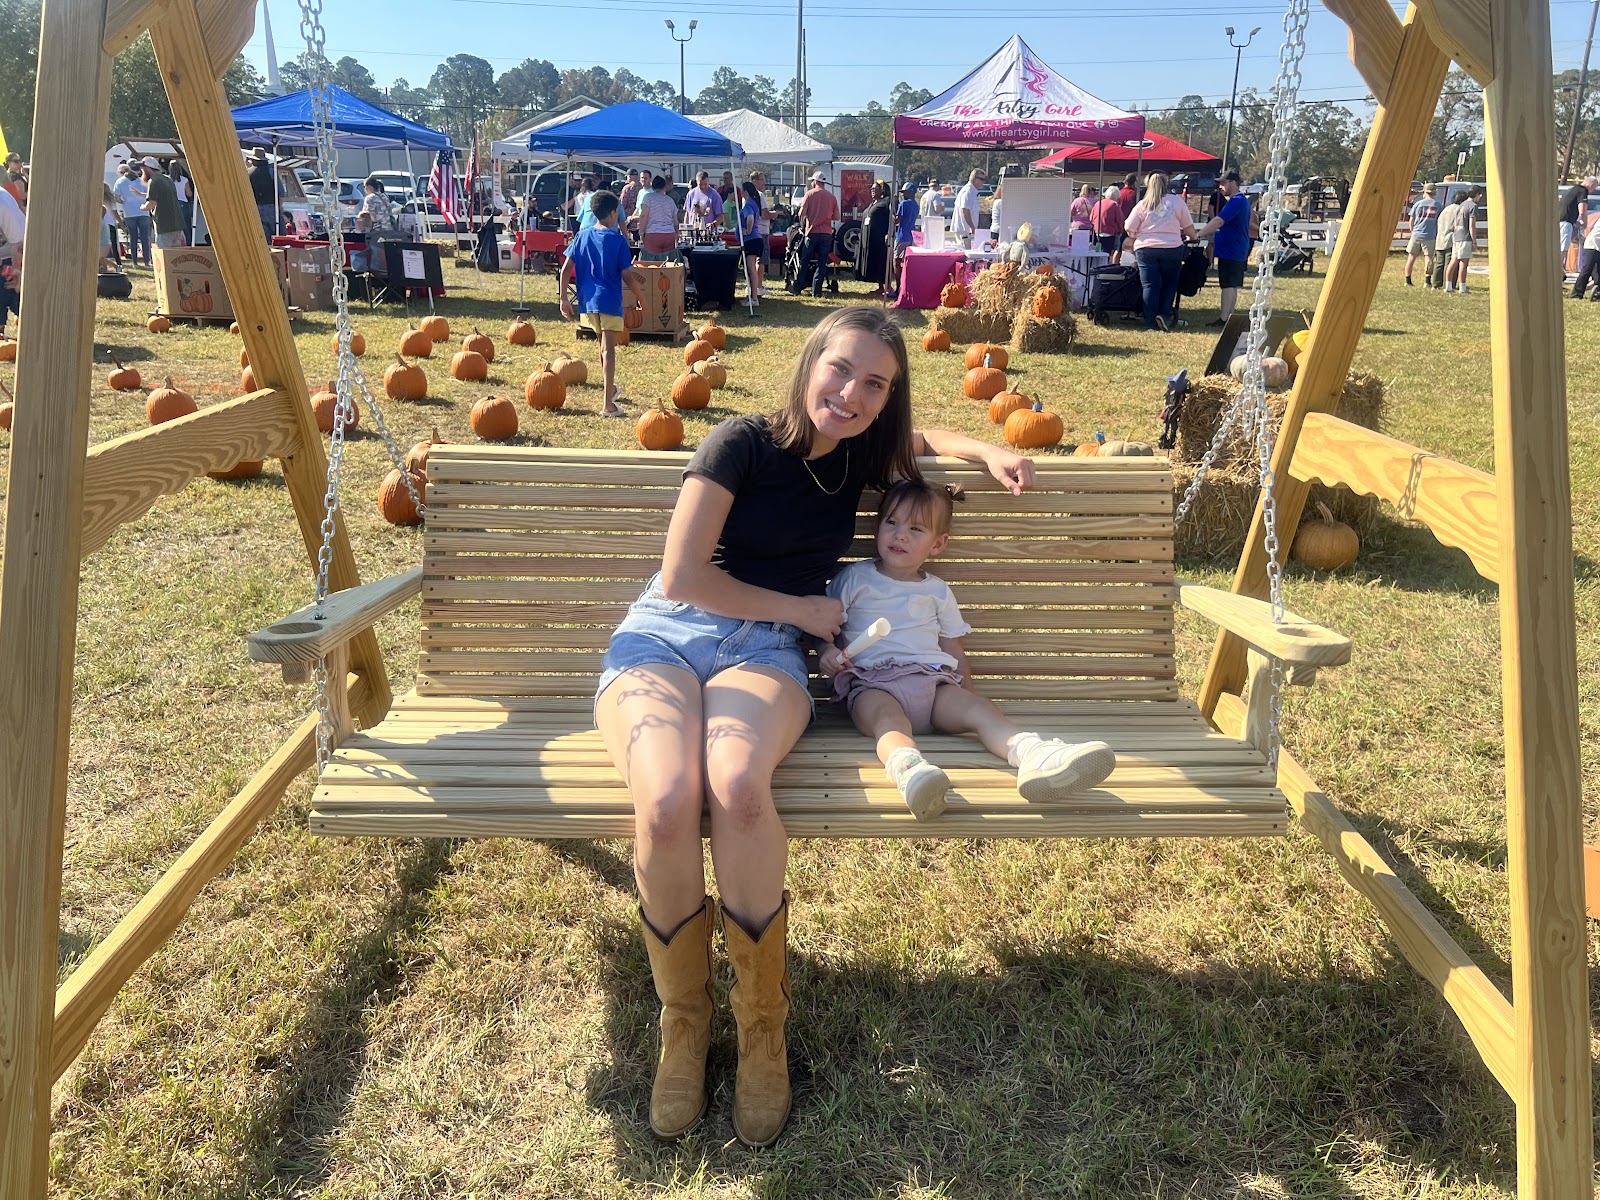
<point>831,491</point>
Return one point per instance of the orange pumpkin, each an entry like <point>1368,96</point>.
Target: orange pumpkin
<point>234,329</point>
<point>437,328</point>
<point>245,468</point>
<point>494,418</point>
<point>1006,403</point>
<point>479,343</point>
<point>998,356</point>
<point>5,416</point>
<point>622,336</point>
<point>468,365</point>
<point>416,459</point>
<point>659,429</point>
<point>715,373</point>
<point>358,344</point>
<point>1047,303</point>
<point>936,339</point>
<point>325,403</point>
<point>1032,427</point>
<point>953,295</point>
<point>158,324</point>
<point>405,381</point>
<point>395,502</point>
<point>633,317</point>
<point>8,350</point>
<point>247,380</point>
<point>1044,269</point>
<point>545,389</point>
<point>168,404</point>
<point>244,358</point>
<point>691,391</point>
<point>417,343</point>
<point>696,350</point>
<point>123,379</point>
<point>522,334</point>
<point>715,334</point>
<point>984,383</point>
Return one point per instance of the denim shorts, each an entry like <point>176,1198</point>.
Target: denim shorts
<point>658,630</point>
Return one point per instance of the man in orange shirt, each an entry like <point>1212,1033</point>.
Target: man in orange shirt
<point>818,211</point>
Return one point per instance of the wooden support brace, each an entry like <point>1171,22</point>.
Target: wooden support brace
<point>1465,29</point>
<point>1374,40</point>
<point>1456,502</point>
<point>127,475</point>
<point>84,998</point>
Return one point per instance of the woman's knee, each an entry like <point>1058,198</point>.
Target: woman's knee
<point>740,789</point>
<point>667,808</point>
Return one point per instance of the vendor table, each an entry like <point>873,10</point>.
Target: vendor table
<point>924,273</point>
<point>714,271</point>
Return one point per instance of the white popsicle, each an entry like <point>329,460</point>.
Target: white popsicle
<point>874,634</point>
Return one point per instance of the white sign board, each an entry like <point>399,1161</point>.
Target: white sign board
<point>1043,201</point>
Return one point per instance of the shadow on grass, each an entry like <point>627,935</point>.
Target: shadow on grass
<point>1066,1072</point>
<point>316,1080</point>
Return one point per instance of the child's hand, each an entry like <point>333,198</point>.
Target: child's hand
<point>831,661</point>
<point>566,308</point>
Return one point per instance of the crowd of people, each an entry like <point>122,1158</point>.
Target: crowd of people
<point>1445,239</point>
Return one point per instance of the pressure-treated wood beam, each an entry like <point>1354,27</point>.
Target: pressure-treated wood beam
<point>83,999</point>
<point>1464,28</point>
<point>1374,40</point>
<point>1382,185</point>
<point>127,475</point>
<point>1538,634</point>
<point>225,24</point>
<point>201,109</point>
<point>1455,501</point>
<point>39,574</point>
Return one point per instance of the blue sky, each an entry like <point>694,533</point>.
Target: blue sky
<point>1145,52</point>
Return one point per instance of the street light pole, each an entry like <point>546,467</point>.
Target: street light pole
<point>1233,99</point>
<point>682,42</point>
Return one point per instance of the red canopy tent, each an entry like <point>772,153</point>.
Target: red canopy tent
<point>1154,153</point>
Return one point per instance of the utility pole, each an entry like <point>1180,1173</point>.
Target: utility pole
<point>1233,100</point>
<point>1577,108</point>
<point>799,63</point>
<point>805,70</point>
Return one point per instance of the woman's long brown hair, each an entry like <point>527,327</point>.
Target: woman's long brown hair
<point>891,454</point>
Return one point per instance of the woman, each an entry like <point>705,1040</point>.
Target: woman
<point>704,689</point>
<point>1107,224</point>
<point>872,260</point>
<point>374,217</point>
<point>997,212</point>
<point>184,187</point>
<point>1157,228</point>
<point>110,222</point>
<point>658,222</point>
<point>750,239</point>
<point>1082,211</point>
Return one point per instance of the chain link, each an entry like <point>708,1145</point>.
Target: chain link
<point>351,378</point>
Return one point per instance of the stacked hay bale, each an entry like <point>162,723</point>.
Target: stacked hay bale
<point>1002,312</point>
<point>1219,520</point>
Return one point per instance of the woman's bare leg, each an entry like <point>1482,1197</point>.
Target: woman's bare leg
<point>753,717</point>
<point>651,720</point>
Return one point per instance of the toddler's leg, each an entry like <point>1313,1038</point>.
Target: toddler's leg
<point>1047,769</point>
<point>880,717</point>
<point>608,369</point>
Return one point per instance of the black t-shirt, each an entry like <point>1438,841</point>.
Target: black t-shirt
<point>784,531</point>
<point>1570,200</point>
<point>261,183</point>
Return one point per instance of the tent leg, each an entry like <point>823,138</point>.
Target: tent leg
<point>889,275</point>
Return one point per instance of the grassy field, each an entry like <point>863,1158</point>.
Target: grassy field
<point>474,1019</point>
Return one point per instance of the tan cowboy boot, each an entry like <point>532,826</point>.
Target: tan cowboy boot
<point>681,967</point>
<point>760,999</point>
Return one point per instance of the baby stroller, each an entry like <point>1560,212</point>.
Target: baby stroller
<point>1113,289</point>
<point>1292,256</point>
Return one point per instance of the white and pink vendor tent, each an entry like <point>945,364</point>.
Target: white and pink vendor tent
<point>1014,100</point>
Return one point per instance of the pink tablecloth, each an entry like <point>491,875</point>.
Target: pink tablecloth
<point>924,274</point>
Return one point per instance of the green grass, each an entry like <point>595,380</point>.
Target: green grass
<point>474,1019</point>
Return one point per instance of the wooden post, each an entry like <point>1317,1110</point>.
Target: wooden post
<point>1538,649</point>
<point>1382,185</point>
<point>200,107</point>
<point>39,576</point>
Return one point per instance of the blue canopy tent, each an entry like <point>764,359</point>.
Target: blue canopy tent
<point>287,121</point>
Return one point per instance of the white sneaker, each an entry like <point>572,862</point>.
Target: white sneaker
<point>1464,290</point>
<point>924,786</point>
<point>1053,770</point>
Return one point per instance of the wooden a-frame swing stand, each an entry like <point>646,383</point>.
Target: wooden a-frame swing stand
<point>65,499</point>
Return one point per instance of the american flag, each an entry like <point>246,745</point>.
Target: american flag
<point>443,188</point>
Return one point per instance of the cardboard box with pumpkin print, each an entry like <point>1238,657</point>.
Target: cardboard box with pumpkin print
<point>663,300</point>
<point>189,284</point>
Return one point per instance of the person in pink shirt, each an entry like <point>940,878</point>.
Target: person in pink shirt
<point>1107,222</point>
<point>1082,211</point>
<point>1158,226</point>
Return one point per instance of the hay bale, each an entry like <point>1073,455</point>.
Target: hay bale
<point>1217,522</point>
<point>968,325</point>
<point>1035,336</point>
<point>1207,399</point>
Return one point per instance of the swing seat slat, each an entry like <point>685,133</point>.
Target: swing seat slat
<point>531,556</point>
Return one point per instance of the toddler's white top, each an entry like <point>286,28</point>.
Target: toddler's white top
<point>919,612</point>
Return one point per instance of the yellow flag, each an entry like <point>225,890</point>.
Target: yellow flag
<point>3,150</point>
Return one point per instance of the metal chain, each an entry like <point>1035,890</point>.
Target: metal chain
<point>1250,410</point>
<point>351,377</point>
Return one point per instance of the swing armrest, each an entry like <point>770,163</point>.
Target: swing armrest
<point>299,639</point>
<point>1300,643</point>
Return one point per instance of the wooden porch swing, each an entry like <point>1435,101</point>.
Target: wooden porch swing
<point>530,555</point>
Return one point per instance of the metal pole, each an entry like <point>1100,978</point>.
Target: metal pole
<point>1233,99</point>
<point>680,77</point>
<point>799,85</point>
<point>1577,108</point>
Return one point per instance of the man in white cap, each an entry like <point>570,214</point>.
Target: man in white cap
<point>968,203</point>
<point>818,212</point>
<point>163,206</point>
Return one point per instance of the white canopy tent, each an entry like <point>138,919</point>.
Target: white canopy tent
<point>765,140</point>
<point>514,146</point>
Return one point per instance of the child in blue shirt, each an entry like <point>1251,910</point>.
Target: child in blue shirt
<point>599,263</point>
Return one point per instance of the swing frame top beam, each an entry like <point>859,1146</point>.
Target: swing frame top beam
<point>1537,1048</point>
